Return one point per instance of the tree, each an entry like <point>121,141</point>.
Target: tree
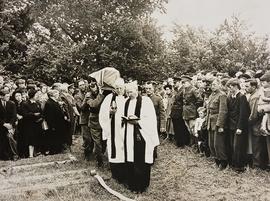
<point>230,47</point>
<point>72,38</point>
<point>15,21</point>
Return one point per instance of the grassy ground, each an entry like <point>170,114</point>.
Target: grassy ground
<point>178,174</point>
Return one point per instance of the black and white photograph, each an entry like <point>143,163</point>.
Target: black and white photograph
<point>134,100</point>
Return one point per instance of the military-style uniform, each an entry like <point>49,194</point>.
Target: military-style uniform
<point>181,132</point>
<point>94,103</point>
<point>160,113</point>
<point>190,100</point>
<point>216,118</point>
<point>160,110</point>
<point>259,147</point>
<point>83,108</point>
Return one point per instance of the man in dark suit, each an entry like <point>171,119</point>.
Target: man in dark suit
<point>259,148</point>
<point>191,98</point>
<point>237,122</point>
<point>8,118</point>
<point>181,132</point>
<point>81,101</point>
<point>57,123</point>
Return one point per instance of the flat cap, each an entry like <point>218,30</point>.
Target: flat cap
<point>30,81</point>
<point>251,73</point>
<point>244,76</point>
<point>258,73</point>
<point>233,81</point>
<point>186,78</point>
<point>177,77</point>
<point>20,81</point>
<point>4,91</point>
<point>266,77</point>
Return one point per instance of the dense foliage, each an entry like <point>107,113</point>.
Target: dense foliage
<point>61,40</point>
<point>229,48</point>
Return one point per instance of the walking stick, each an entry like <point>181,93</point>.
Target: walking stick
<point>104,185</point>
<point>12,142</point>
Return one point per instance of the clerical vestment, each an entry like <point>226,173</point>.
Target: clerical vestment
<point>112,129</point>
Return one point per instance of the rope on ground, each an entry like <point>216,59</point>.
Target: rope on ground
<point>104,185</point>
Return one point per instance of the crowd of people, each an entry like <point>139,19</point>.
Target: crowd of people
<point>223,117</point>
<point>35,119</point>
<point>39,119</point>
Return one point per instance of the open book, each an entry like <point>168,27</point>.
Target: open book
<point>130,118</point>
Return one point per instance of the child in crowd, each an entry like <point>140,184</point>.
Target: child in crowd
<point>200,132</point>
<point>264,107</point>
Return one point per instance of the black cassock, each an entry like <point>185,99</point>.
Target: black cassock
<point>138,172</point>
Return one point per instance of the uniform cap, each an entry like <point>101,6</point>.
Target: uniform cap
<point>186,78</point>
<point>266,77</point>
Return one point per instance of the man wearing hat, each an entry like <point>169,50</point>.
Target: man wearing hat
<point>216,119</point>
<point>242,78</point>
<point>93,101</point>
<point>67,107</point>
<point>181,132</point>
<point>21,84</point>
<point>170,98</point>
<point>258,141</point>
<point>57,123</point>
<point>159,106</point>
<point>263,108</point>
<point>237,123</point>
<point>8,116</point>
<point>80,98</point>
<point>71,89</point>
<point>190,100</point>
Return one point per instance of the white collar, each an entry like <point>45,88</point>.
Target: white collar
<point>234,96</point>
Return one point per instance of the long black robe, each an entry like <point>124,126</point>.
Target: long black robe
<point>138,172</point>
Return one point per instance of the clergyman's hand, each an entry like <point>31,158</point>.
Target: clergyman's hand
<point>220,130</point>
<point>238,132</point>
<point>162,130</point>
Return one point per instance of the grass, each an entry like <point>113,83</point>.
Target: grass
<point>178,174</point>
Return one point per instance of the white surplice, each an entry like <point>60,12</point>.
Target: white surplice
<point>148,130</point>
<point>105,122</point>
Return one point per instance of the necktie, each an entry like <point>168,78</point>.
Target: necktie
<point>4,104</point>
